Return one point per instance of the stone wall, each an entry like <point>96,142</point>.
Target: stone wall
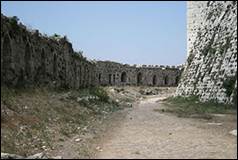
<point>211,68</point>
<point>29,58</point>
<point>195,16</point>
<point>112,73</point>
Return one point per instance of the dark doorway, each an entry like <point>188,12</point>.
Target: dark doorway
<point>7,55</point>
<point>28,60</point>
<point>154,81</point>
<point>166,80</point>
<point>110,78</point>
<point>43,63</point>
<point>114,78</point>
<point>177,80</point>
<point>99,77</point>
<point>139,78</point>
<point>123,77</point>
<point>55,66</point>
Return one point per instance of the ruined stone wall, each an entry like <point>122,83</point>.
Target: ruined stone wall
<point>29,58</point>
<point>112,73</point>
<point>211,68</point>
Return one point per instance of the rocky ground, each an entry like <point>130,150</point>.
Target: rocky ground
<point>147,133</point>
<point>129,124</point>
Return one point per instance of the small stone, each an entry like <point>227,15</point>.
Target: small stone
<point>233,132</point>
<point>37,156</point>
<point>79,99</point>
<point>99,149</point>
<point>78,140</point>
<point>10,156</point>
<point>57,157</point>
<point>217,124</point>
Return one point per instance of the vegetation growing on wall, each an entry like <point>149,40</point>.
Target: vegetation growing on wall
<point>190,59</point>
<point>14,24</point>
<point>229,85</point>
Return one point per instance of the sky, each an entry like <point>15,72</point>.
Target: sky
<point>132,32</point>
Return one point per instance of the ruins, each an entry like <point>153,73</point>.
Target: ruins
<point>210,71</point>
<point>30,58</point>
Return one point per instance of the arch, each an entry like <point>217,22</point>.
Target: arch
<point>7,53</point>
<point>55,66</point>
<point>114,78</point>
<point>123,77</point>
<point>166,80</point>
<point>80,75</point>
<point>139,78</point>
<point>99,77</point>
<point>110,78</point>
<point>27,59</point>
<point>154,80</point>
<point>177,80</point>
<point>43,57</point>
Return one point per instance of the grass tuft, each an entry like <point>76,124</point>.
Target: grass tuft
<point>191,106</point>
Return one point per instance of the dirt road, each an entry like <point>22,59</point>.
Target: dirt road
<point>146,133</point>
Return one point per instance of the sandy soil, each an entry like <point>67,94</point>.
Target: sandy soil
<point>143,132</point>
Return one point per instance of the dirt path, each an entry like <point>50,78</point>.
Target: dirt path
<point>147,133</point>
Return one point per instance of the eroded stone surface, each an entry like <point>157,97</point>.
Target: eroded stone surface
<point>30,58</point>
<point>211,68</point>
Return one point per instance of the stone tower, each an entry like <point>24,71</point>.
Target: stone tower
<point>211,67</point>
<point>194,21</point>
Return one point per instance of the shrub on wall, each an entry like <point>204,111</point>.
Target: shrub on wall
<point>229,85</point>
<point>14,23</point>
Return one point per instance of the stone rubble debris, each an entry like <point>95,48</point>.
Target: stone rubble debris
<point>35,156</point>
<point>233,132</point>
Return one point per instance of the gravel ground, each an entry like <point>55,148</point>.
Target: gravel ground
<point>144,132</point>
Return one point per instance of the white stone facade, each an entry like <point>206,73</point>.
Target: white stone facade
<point>211,68</point>
<point>194,21</point>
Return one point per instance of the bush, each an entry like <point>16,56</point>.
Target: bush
<point>100,93</point>
<point>14,23</point>
<point>235,99</point>
<point>229,85</point>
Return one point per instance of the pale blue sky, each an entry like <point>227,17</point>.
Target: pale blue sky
<point>127,32</point>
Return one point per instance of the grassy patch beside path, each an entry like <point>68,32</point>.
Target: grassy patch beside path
<point>192,107</point>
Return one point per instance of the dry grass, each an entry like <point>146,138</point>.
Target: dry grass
<point>33,119</point>
<point>192,107</point>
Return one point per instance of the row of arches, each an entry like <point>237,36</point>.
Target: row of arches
<point>139,79</point>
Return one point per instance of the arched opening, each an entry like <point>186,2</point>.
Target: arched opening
<point>110,78</point>
<point>55,66</point>
<point>177,80</point>
<point>80,75</point>
<point>43,63</point>
<point>28,60</point>
<point>7,54</point>
<point>123,77</point>
<point>154,81</point>
<point>139,78</point>
<point>99,77</point>
<point>114,78</point>
<point>166,80</point>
